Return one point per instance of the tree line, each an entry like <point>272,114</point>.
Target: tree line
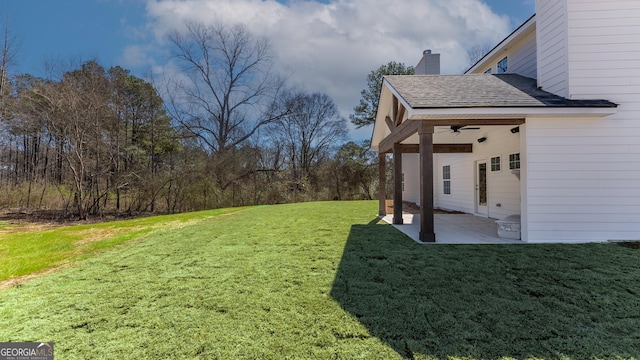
<point>228,130</point>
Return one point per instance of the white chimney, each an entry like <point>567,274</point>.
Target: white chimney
<point>429,64</point>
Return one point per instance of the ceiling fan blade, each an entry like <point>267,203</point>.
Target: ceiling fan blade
<point>457,128</point>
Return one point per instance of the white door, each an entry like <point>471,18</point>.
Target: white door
<point>481,188</point>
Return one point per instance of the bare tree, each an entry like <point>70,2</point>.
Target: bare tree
<point>475,53</point>
<point>309,132</point>
<point>7,59</point>
<point>230,88</point>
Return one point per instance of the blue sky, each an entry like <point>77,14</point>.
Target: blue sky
<point>327,46</point>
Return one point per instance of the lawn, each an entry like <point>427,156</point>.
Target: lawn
<point>325,281</point>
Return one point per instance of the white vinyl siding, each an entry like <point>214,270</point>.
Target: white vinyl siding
<point>411,171</point>
<point>583,175</point>
<point>604,40</point>
<point>522,60</point>
<point>582,179</point>
<point>461,197</point>
<point>551,27</point>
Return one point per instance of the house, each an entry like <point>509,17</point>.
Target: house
<point>545,126</point>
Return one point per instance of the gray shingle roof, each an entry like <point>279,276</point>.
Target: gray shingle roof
<point>479,90</point>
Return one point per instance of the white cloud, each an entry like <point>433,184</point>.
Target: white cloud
<point>332,47</point>
<point>136,56</point>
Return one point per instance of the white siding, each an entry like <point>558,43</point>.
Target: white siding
<point>604,53</point>
<point>551,29</point>
<point>503,188</point>
<point>411,171</point>
<point>462,193</point>
<point>582,179</point>
<point>522,60</point>
<point>520,50</point>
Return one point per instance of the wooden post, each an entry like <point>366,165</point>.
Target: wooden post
<point>382,184</point>
<point>397,184</point>
<point>427,233</point>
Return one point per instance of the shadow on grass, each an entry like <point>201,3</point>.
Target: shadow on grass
<point>491,301</point>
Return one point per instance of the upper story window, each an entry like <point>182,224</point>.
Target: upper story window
<point>488,71</point>
<point>503,65</point>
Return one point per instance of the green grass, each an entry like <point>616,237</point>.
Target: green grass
<point>324,281</point>
<point>27,252</point>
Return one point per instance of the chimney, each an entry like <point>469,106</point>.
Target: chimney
<point>429,64</point>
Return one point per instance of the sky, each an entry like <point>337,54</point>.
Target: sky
<point>327,46</point>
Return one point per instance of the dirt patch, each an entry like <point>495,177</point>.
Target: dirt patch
<point>34,220</point>
<point>630,244</point>
<point>93,235</point>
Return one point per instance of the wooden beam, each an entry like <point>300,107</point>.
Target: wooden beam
<point>382,184</point>
<point>399,134</point>
<point>400,114</point>
<point>439,148</point>
<point>394,109</point>
<point>427,223</point>
<point>452,148</point>
<point>397,184</point>
<point>389,123</point>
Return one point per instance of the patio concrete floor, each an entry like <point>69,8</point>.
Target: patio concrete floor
<point>455,229</point>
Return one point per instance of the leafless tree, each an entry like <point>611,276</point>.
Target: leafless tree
<point>309,132</point>
<point>230,87</point>
<point>9,52</point>
<point>475,53</point>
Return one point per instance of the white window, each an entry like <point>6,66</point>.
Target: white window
<point>495,163</point>
<point>503,65</point>
<point>488,71</point>
<point>514,161</point>
<point>446,179</point>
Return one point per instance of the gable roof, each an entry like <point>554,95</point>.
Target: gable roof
<point>479,91</point>
<point>474,99</point>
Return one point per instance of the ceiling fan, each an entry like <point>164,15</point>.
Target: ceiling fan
<point>455,129</point>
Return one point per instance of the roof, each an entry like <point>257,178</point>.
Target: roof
<point>479,91</point>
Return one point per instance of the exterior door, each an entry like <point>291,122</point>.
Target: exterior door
<point>481,188</point>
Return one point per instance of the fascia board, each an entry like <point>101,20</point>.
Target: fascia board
<point>507,112</point>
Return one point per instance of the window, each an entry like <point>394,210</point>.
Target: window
<point>488,71</point>
<point>502,66</point>
<point>446,179</point>
<point>514,161</point>
<point>495,163</point>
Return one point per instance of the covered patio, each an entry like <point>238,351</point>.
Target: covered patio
<point>454,229</point>
<point>411,108</point>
